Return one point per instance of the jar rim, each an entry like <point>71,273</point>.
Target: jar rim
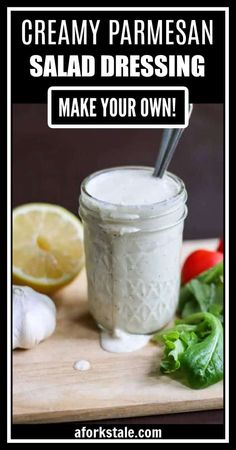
<point>171,201</point>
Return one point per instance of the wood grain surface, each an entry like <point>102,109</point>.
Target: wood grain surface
<point>46,387</point>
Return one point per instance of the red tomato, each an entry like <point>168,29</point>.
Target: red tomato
<point>220,247</point>
<point>198,262</point>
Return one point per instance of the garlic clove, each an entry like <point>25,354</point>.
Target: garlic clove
<point>34,317</point>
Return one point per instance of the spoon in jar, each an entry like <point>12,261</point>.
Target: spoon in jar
<point>169,142</point>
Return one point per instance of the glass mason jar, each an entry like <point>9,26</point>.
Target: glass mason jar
<point>133,258</point>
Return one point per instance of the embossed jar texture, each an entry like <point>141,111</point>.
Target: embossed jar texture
<point>133,259</point>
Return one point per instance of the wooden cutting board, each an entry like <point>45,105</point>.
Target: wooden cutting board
<point>46,387</point>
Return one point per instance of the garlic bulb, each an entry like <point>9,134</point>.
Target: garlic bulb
<point>34,317</point>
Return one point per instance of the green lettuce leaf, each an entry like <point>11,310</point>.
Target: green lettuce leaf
<point>204,293</point>
<point>194,347</point>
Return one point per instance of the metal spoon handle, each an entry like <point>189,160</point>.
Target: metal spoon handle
<point>164,159</point>
<point>163,146</point>
<point>169,142</point>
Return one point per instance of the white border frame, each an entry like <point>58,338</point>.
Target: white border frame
<point>226,124</point>
<point>118,88</point>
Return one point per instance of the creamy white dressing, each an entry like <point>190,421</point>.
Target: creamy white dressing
<point>82,365</point>
<point>120,342</point>
<point>131,187</point>
<point>133,235</point>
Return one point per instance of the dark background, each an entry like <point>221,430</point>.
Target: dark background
<point>49,165</point>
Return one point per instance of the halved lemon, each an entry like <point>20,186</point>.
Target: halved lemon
<point>47,246</point>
